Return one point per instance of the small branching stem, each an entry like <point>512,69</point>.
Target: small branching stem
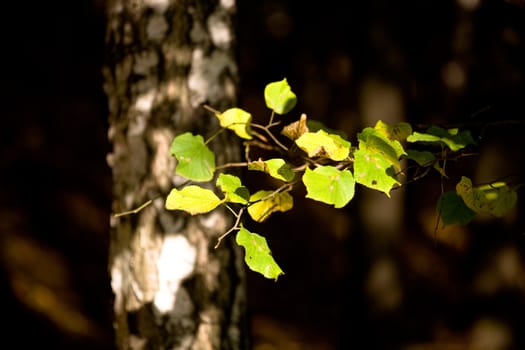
<point>272,136</point>
<point>234,227</point>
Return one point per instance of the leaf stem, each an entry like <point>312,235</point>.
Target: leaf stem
<point>271,117</point>
<point>214,135</point>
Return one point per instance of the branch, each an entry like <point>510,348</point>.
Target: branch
<point>133,211</point>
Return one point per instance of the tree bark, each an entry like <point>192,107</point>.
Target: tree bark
<point>172,289</point>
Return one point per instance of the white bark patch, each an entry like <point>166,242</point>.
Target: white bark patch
<point>144,103</point>
<point>158,5</point>
<point>220,30</point>
<point>215,219</point>
<point>205,70</point>
<point>176,262</point>
<point>228,4</point>
<point>117,282</point>
<point>156,28</point>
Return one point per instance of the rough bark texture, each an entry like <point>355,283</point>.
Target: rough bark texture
<point>172,289</point>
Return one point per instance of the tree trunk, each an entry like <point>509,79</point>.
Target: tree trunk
<point>172,289</point>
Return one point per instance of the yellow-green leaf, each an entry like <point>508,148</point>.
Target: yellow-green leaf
<point>267,202</point>
<point>237,120</point>
<point>233,189</point>
<point>399,131</point>
<point>195,160</point>
<point>275,167</point>
<point>374,170</point>
<point>258,256</point>
<point>373,141</point>
<point>453,138</point>
<point>329,185</point>
<point>279,97</point>
<point>192,199</point>
<point>495,198</point>
<point>323,144</point>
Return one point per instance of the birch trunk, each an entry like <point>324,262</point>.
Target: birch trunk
<point>172,289</point>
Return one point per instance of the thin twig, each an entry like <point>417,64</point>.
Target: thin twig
<point>211,109</point>
<point>133,211</point>
<point>271,136</point>
<point>231,165</point>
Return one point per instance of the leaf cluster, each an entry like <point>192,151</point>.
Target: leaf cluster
<point>327,164</point>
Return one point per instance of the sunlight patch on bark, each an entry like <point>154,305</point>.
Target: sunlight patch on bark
<point>220,32</point>
<point>157,27</point>
<point>176,262</point>
<point>158,5</point>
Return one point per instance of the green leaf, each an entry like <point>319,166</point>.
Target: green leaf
<point>322,144</point>
<point>279,97</point>
<point>423,158</point>
<point>374,170</point>
<point>398,131</point>
<point>192,199</point>
<point>374,142</point>
<point>237,120</point>
<point>496,198</point>
<point>258,256</point>
<point>452,138</point>
<point>453,210</point>
<point>329,185</point>
<point>267,202</point>
<point>234,191</point>
<point>275,167</point>
<point>195,160</point>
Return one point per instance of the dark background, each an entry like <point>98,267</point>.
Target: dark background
<point>345,286</point>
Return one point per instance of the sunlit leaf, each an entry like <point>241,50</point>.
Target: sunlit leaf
<point>267,202</point>
<point>453,138</point>
<point>275,167</point>
<point>279,97</point>
<point>398,131</point>
<point>322,144</point>
<point>195,160</point>
<point>453,210</point>
<point>233,189</point>
<point>258,256</point>
<point>237,120</point>
<point>374,170</point>
<point>192,199</point>
<point>329,185</point>
<point>495,198</point>
<point>374,142</point>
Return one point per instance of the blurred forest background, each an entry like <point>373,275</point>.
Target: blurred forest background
<point>374,275</point>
